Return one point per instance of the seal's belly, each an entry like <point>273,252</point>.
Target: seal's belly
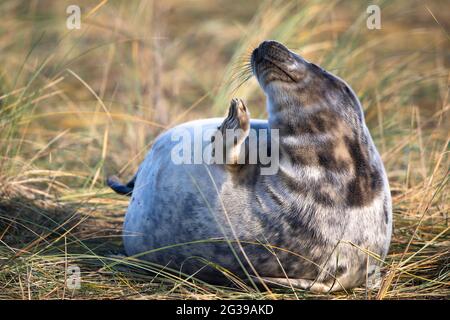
<point>189,209</point>
<point>186,215</point>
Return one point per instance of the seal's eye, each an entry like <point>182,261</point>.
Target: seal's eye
<point>324,74</point>
<point>315,67</point>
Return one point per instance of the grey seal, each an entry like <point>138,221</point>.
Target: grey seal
<point>321,222</point>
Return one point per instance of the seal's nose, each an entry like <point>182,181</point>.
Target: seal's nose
<point>267,44</point>
<point>272,49</point>
<point>265,48</point>
<point>257,55</point>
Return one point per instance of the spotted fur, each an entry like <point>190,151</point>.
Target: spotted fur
<point>314,220</point>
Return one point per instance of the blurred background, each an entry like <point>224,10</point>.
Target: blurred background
<point>79,105</point>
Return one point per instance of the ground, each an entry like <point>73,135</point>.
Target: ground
<point>79,105</point>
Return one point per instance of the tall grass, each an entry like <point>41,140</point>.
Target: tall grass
<point>78,105</point>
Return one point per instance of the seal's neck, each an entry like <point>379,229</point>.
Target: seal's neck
<point>315,121</point>
<point>315,135</point>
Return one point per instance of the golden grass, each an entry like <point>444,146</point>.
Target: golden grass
<point>76,106</point>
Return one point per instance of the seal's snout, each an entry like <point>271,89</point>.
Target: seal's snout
<point>270,50</point>
<point>273,62</point>
<point>273,48</point>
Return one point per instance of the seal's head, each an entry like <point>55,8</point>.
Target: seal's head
<point>289,80</point>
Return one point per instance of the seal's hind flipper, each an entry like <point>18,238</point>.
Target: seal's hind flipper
<point>115,184</point>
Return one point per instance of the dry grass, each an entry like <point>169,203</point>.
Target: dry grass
<point>76,106</point>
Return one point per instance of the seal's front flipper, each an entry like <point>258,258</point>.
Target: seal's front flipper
<point>231,134</point>
<point>125,189</point>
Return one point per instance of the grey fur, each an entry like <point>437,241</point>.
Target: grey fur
<point>313,221</point>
